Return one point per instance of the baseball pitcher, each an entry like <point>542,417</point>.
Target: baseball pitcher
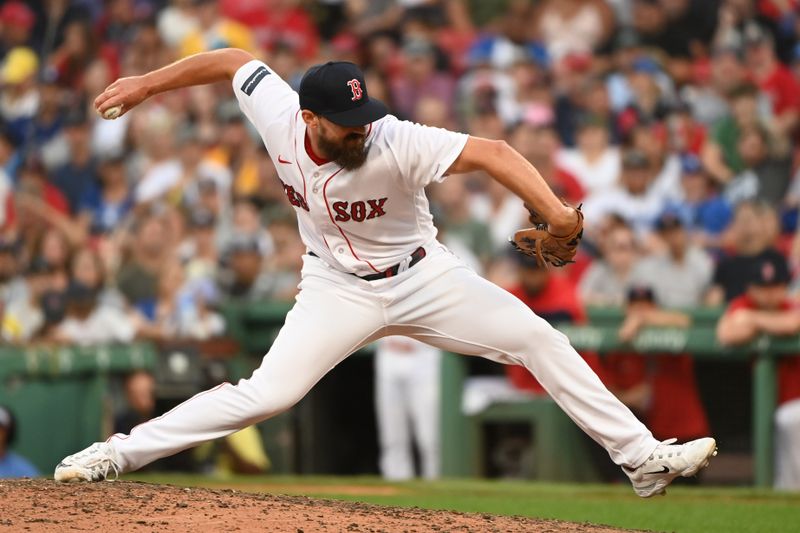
<point>355,176</point>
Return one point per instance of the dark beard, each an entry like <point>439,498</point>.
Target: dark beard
<point>350,154</point>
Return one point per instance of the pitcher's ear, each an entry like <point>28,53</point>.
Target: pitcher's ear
<point>309,117</point>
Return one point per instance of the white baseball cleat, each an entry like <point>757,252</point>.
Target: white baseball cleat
<point>92,464</point>
<point>669,461</point>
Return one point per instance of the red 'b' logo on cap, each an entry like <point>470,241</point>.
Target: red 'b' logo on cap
<point>355,86</point>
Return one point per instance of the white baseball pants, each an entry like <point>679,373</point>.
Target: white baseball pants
<point>787,446</point>
<point>407,403</point>
<point>440,302</point>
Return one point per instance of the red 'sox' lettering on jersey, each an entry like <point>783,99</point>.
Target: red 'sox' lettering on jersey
<point>295,198</point>
<point>355,87</point>
<point>360,210</point>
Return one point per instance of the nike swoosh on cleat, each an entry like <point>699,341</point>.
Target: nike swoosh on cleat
<point>664,471</point>
<point>285,162</point>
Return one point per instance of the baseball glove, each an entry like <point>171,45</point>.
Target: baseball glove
<point>538,242</point>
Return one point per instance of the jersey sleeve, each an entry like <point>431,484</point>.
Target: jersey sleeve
<point>263,96</point>
<point>423,153</point>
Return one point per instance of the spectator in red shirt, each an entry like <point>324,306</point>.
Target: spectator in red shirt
<point>766,309</point>
<point>554,298</point>
<point>660,389</point>
<point>773,78</point>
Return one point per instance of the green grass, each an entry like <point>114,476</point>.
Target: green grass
<point>686,509</point>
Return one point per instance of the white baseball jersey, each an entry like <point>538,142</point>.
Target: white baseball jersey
<point>360,221</point>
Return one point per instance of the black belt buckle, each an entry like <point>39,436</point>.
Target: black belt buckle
<point>416,256</point>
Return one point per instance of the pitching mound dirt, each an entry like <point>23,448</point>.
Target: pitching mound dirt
<point>44,505</point>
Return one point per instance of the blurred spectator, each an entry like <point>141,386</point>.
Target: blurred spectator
<point>680,276</point>
<point>660,389</point>
<point>141,401</point>
<point>12,285</point>
<point>453,198</point>
<point>536,139</point>
<point>245,277</point>
<point>419,78</point>
<point>765,308</point>
<point>720,154</point>
<point>572,26</point>
<point>594,162</point>
<point>215,31</point>
<point>19,100</point>
<point>773,78</point>
<point>12,465</point>
<point>607,279</point>
<point>17,20</point>
<point>708,213</point>
<point>79,173</point>
<point>88,269</point>
<point>89,322</point>
<point>23,317</point>
<point>633,200</point>
<point>176,21</point>
<point>751,235</point>
<point>105,204</point>
<point>764,176</point>
<point>406,404</point>
<point>180,310</point>
<point>137,277</point>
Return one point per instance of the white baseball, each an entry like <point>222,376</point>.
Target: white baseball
<point>112,112</point>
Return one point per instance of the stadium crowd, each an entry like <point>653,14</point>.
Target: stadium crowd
<point>674,123</point>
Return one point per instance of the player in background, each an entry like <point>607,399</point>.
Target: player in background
<point>766,308</point>
<point>407,405</point>
<point>355,176</point>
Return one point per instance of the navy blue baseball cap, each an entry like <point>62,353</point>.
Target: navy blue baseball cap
<point>337,91</point>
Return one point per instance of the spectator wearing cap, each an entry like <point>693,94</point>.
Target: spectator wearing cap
<point>215,31</point>
<point>773,78</point>
<point>608,278</point>
<point>594,161</point>
<point>79,173</point>
<point>751,236</point>
<point>765,308</point>
<point>766,172</point>
<point>105,204</point>
<point>650,101</point>
<point>419,77</point>
<point>88,322</point>
<point>679,276</point>
<point>659,389</point>
<point>23,318</point>
<point>199,250</point>
<point>19,99</point>
<point>708,213</point>
<point>634,199</point>
<point>12,465</point>
<point>245,277</point>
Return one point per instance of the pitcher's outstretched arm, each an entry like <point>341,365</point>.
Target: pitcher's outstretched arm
<point>198,69</point>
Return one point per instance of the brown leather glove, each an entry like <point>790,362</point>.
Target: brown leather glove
<point>538,242</point>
